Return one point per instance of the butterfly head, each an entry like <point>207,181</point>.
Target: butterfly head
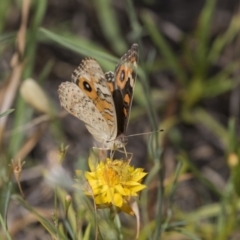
<point>117,143</point>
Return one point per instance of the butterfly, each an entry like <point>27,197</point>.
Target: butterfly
<point>102,100</point>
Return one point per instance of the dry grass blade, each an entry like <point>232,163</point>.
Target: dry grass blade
<point>36,121</point>
<point>31,142</point>
<point>17,65</point>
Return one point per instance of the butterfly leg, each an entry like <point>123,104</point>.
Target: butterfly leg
<point>130,158</point>
<point>112,152</point>
<point>128,155</point>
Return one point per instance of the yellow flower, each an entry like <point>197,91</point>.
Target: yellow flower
<point>114,183</point>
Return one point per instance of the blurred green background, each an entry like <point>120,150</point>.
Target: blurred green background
<point>187,85</point>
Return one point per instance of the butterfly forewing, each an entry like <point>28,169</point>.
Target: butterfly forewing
<point>125,79</point>
<point>90,99</point>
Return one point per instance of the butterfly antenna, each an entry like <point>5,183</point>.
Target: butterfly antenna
<point>139,134</point>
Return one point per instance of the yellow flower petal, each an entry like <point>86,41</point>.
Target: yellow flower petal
<point>127,209</point>
<point>101,199</point>
<point>120,189</point>
<point>138,188</point>
<point>118,200</point>
<point>113,183</point>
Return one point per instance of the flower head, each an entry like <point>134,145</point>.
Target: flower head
<point>114,183</point>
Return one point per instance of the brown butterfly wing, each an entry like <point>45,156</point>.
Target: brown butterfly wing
<point>124,82</point>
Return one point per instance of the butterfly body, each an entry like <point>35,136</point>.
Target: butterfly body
<point>102,101</point>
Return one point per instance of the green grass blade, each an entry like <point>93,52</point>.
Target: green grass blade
<point>4,11</point>
<point>221,41</point>
<point>203,36</point>
<point>8,37</point>
<point>30,54</point>
<point>204,118</point>
<point>110,25</point>
<point>6,112</point>
<point>82,47</point>
<point>198,174</point>
<point>49,226</point>
<point>163,46</point>
<point>5,195</point>
<point>5,231</point>
<point>188,234</point>
<point>135,25</point>
<point>207,212</point>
